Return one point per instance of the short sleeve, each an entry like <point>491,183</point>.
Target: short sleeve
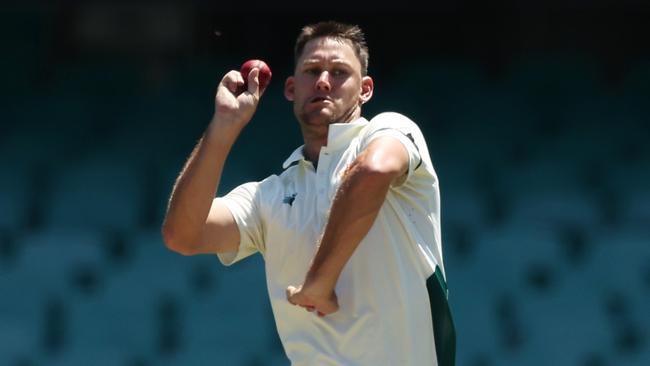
<point>242,203</point>
<point>401,128</point>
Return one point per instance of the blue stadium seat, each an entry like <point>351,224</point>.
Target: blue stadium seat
<point>51,128</point>
<point>620,260</point>
<point>471,300</point>
<point>459,206</point>
<point>19,336</point>
<point>55,264</point>
<point>525,258</point>
<point>630,183</point>
<point>566,326</point>
<point>635,207</point>
<point>501,264</point>
<point>237,313</point>
<point>595,302</point>
<point>152,128</point>
<point>455,173</point>
<point>16,196</point>
<point>144,274</point>
<point>100,355</point>
<point>126,314</point>
<point>429,94</point>
<point>120,317</point>
<point>546,173</point>
<point>490,120</point>
<point>551,192</point>
<point>59,261</point>
<point>218,316</point>
<point>556,209</point>
<point>210,355</point>
<point>592,134</point>
<point>97,193</point>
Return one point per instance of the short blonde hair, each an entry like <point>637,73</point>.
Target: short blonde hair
<point>338,31</point>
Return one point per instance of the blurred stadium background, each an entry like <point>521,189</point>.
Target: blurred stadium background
<point>538,121</point>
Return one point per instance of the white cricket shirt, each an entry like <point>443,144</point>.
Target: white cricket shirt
<point>384,316</point>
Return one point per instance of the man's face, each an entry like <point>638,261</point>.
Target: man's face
<point>327,86</point>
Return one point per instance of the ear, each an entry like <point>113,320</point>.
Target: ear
<point>289,88</point>
<point>367,87</point>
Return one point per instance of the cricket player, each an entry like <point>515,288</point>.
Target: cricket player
<point>349,231</point>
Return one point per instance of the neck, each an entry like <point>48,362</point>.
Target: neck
<point>315,137</point>
<point>314,141</point>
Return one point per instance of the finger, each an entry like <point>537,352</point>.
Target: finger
<point>253,82</point>
<point>233,76</point>
<point>234,87</point>
<point>233,81</point>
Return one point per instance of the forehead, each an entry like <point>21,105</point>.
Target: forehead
<point>329,49</point>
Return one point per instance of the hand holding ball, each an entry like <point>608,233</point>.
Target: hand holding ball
<point>264,76</point>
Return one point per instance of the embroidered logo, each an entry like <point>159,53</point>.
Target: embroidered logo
<point>289,199</point>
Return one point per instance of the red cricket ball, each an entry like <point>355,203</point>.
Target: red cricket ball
<point>264,75</point>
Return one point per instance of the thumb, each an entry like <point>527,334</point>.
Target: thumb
<point>254,82</point>
<point>290,292</point>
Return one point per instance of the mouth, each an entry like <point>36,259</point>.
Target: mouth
<point>319,99</point>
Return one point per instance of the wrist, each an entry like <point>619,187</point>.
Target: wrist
<point>320,282</point>
<point>230,120</point>
<point>223,133</point>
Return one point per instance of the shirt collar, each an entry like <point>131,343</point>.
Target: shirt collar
<point>339,135</point>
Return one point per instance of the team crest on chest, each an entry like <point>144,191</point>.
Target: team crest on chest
<point>289,199</point>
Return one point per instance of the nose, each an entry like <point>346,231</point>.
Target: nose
<point>323,82</point>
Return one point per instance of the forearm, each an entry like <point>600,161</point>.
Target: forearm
<point>197,184</point>
<point>353,212</point>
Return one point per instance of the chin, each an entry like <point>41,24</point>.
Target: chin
<point>318,119</point>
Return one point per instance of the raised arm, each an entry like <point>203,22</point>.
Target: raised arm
<point>355,207</point>
<point>195,222</point>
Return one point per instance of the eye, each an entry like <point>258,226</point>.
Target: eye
<point>313,71</point>
<point>339,72</point>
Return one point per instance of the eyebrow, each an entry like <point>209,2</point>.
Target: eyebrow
<point>335,61</point>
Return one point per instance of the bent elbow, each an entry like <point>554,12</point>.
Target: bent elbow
<point>385,157</point>
<point>390,167</point>
<point>379,167</point>
<point>174,243</point>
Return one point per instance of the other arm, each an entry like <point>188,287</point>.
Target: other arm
<point>356,205</point>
